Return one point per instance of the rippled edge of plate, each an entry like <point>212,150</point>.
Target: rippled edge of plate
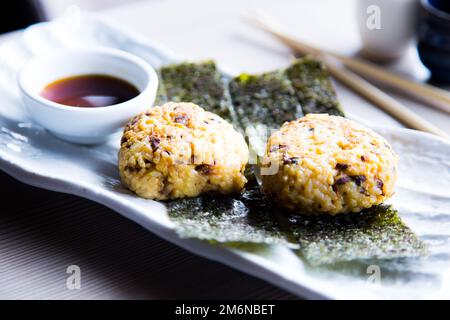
<point>230,257</point>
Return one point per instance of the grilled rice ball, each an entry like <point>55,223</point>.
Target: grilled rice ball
<point>322,164</point>
<point>180,150</point>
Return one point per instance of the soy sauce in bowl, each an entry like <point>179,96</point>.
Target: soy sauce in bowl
<point>90,91</point>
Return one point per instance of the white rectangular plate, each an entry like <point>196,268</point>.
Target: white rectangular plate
<point>31,155</point>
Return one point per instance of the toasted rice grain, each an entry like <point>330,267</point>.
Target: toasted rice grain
<point>329,165</point>
<point>180,150</point>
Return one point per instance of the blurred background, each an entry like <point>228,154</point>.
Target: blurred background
<point>54,8</point>
<point>22,13</point>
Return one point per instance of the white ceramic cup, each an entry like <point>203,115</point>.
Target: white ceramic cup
<point>386,27</point>
<point>78,124</point>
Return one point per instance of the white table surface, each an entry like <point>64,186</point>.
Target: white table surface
<point>202,29</point>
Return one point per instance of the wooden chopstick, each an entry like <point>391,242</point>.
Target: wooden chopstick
<point>358,84</point>
<point>433,96</point>
<point>381,99</point>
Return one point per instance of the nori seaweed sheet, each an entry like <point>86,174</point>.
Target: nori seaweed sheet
<point>375,233</point>
<point>199,83</point>
<point>247,218</point>
<point>270,99</point>
<point>267,99</point>
<point>313,86</point>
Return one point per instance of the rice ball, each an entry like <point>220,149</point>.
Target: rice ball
<point>322,164</point>
<point>180,150</point>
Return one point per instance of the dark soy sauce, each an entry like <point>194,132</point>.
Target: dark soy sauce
<point>90,91</point>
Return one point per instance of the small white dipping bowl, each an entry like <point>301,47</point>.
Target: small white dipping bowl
<point>85,125</point>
